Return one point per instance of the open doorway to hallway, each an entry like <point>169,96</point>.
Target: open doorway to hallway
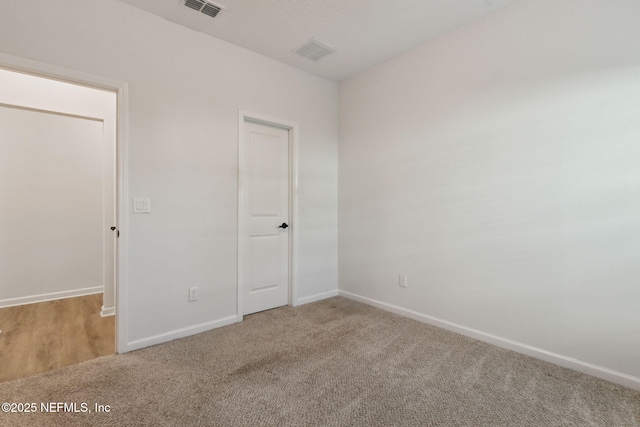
<point>57,223</point>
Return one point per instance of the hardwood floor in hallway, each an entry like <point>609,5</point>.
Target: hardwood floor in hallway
<point>40,337</point>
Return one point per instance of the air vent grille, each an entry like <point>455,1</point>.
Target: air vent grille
<point>211,9</point>
<point>314,49</point>
<point>194,4</point>
<point>208,8</point>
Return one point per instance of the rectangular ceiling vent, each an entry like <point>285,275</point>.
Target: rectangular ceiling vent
<point>208,8</point>
<point>314,49</point>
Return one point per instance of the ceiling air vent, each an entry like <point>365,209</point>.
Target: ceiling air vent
<point>211,9</point>
<point>208,8</point>
<point>314,50</point>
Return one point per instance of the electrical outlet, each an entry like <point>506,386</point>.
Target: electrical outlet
<point>193,294</point>
<point>403,281</point>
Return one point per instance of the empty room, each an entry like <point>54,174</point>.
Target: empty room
<point>345,213</point>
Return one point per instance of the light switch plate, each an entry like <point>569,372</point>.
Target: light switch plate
<point>141,205</point>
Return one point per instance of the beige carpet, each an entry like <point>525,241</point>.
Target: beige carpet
<point>336,363</point>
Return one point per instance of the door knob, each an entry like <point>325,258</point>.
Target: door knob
<point>284,225</point>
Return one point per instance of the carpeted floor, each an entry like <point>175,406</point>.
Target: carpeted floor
<point>334,362</point>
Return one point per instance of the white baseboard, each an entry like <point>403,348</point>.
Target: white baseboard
<point>33,299</point>
<point>203,327</point>
<point>557,359</point>
<point>180,333</point>
<point>108,311</point>
<point>316,297</point>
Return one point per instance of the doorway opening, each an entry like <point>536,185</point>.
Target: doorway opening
<point>58,221</point>
<point>267,194</point>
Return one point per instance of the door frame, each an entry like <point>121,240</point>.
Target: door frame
<point>39,69</point>
<point>293,128</point>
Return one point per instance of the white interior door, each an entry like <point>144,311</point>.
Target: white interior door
<point>110,226</point>
<point>264,218</point>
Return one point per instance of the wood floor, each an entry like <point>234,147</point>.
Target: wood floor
<point>48,335</point>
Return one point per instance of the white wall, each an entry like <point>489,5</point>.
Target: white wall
<point>52,178</point>
<point>185,91</point>
<point>498,167</point>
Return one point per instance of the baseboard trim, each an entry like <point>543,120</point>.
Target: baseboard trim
<point>316,297</point>
<point>33,299</point>
<point>555,358</point>
<point>180,333</point>
<point>107,311</point>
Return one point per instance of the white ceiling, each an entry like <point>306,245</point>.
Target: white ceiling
<point>363,32</point>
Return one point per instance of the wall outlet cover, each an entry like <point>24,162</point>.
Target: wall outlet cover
<point>193,294</point>
<point>403,281</point>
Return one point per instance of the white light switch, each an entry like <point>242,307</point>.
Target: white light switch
<point>141,205</point>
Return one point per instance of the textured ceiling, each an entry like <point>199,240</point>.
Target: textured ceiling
<point>363,32</point>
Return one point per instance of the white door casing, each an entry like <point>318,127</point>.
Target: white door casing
<point>121,168</point>
<point>264,237</point>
